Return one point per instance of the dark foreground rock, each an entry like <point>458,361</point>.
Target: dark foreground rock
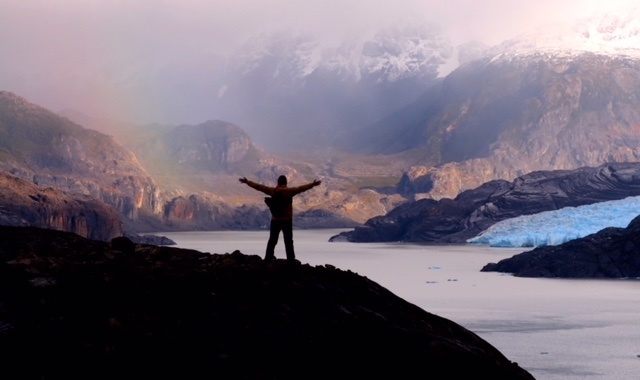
<point>456,220</point>
<point>609,253</point>
<point>77,308</point>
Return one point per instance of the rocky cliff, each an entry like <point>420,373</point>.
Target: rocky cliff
<point>609,253</point>
<point>75,308</point>
<point>50,151</point>
<point>456,220</point>
<point>25,204</point>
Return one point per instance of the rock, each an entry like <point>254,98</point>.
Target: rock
<point>78,308</point>
<point>609,253</point>
<point>318,218</point>
<point>149,239</point>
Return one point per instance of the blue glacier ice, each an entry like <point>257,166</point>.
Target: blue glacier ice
<point>559,226</point>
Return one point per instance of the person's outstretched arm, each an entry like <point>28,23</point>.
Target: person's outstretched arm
<point>265,189</point>
<point>300,189</point>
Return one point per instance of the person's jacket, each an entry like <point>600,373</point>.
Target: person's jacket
<point>282,197</point>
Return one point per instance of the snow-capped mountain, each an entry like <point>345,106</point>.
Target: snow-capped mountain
<point>532,103</point>
<point>283,55</point>
<point>296,85</point>
<point>611,33</point>
<point>392,54</point>
<point>401,53</point>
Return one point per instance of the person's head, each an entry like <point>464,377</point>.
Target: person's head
<point>282,181</point>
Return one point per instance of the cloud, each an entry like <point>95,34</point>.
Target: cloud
<point>86,54</point>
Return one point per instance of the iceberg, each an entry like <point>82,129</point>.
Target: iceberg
<point>559,226</point>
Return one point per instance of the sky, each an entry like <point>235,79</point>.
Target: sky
<point>89,55</point>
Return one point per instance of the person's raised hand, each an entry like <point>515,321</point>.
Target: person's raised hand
<point>243,180</point>
<point>316,182</point>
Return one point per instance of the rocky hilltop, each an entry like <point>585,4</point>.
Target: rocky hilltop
<point>459,219</point>
<point>610,253</point>
<point>77,308</point>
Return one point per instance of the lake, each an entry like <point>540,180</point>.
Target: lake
<point>555,329</point>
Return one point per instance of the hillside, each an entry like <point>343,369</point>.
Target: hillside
<point>45,149</point>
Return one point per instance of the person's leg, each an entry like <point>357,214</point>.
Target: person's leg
<point>287,234</point>
<point>273,240</point>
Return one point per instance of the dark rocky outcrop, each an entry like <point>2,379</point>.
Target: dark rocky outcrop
<point>77,308</point>
<point>318,218</point>
<point>473,211</point>
<point>148,239</point>
<point>25,204</point>
<point>610,253</point>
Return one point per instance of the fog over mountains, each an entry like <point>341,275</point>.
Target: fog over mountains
<point>377,122</point>
<point>304,92</point>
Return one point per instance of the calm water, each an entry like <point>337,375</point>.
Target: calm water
<point>555,329</point>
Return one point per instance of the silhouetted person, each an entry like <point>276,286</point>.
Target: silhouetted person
<point>281,206</point>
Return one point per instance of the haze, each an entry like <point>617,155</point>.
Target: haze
<point>90,55</point>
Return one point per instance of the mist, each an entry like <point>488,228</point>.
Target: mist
<point>155,61</point>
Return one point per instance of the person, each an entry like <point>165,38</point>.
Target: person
<point>281,207</point>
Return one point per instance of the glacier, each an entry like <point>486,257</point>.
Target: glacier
<point>559,226</point>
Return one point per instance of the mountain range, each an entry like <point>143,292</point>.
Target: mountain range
<point>303,91</point>
<point>371,118</point>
